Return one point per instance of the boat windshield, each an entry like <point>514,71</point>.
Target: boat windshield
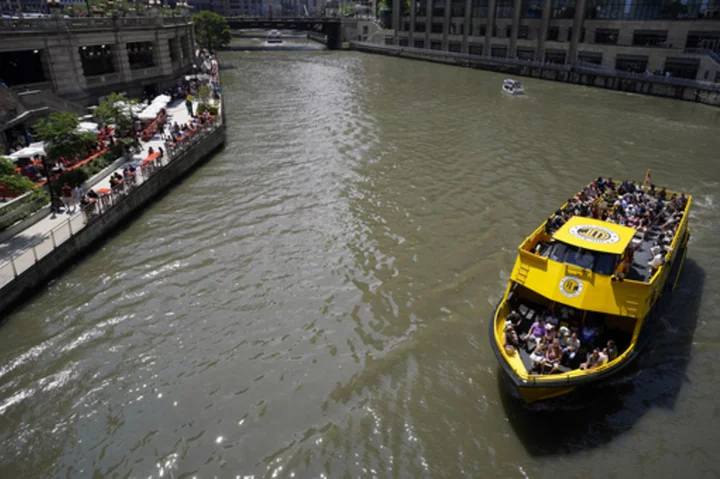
<point>601,263</point>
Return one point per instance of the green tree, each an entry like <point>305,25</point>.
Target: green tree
<point>117,109</point>
<point>211,30</point>
<point>7,167</point>
<point>61,136</point>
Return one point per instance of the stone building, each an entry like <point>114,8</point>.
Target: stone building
<point>671,38</point>
<point>81,59</point>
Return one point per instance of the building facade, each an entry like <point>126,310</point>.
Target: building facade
<point>669,38</point>
<point>83,58</point>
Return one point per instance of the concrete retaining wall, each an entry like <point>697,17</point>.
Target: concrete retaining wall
<point>119,214</point>
<point>551,72</point>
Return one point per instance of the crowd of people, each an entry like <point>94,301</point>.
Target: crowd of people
<point>654,213</point>
<point>554,344</point>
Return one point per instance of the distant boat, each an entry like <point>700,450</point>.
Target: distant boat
<point>274,37</point>
<point>513,87</point>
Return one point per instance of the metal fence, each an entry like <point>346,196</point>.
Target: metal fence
<point>579,67</point>
<point>38,249</point>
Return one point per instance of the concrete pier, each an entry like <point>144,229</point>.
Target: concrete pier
<point>681,89</point>
<point>35,255</point>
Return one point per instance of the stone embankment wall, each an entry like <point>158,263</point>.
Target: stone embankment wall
<point>648,85</point>
<point>119,214</point>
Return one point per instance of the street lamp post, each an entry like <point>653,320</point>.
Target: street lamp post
<point>53,198</point>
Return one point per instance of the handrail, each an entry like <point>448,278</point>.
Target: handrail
<point>102,205</point>
<point>577,67</point>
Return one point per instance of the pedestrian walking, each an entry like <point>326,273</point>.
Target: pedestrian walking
<point>189,104</point>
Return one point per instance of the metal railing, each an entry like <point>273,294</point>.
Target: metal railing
<point>579,67</point>
<point>38,249</point>
<point>61,24</point>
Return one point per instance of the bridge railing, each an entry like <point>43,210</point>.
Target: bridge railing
<point>62,24</point>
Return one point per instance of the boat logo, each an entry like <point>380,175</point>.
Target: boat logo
<point>594,234</point>
<point>571,286</point>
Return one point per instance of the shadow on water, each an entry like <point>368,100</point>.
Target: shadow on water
<point>593,416</point>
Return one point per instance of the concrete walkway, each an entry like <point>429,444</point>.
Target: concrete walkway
<point>21,251</point>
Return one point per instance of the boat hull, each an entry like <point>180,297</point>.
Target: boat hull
<point>531,393</point>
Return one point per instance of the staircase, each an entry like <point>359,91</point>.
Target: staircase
<point>522,273</point>
<point>36,99</point>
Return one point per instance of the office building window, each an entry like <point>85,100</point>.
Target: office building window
<point>526,53</point>
<point>455,47</point>
<point>438,8</point>
<point>704,40</point>
<point>508,31</point>
<point>631,63</point>
<point>406,27</point>
<point>607,36</point>
<point>682,67</point>
<point>479,30</point>
<point>476,50</point>
<point>553,34</point>
<point>420,27</point>
<point>479,8</point>
<point>532,8</point>
<point>555,56</point>
<point>523,32</point>
<point>435,45</point>
<point>499,51</point>
<point>174,48</point>
<point>590,57</point>
<point>457,8</point>
<point>504,9</point>
<point>650,38</point>
<point>437,28</point>
<point>403,42</point>
<point>563,9</point>
<point>419,44</point>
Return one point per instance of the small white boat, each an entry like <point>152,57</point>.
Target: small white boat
<point>274,37</point>
<point>513,87</point>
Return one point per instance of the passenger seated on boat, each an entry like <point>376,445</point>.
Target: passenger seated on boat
<point>511,339</point>
<point>551,362</point>
<point>594,360</point>
<point>538,355</point>
<point>658,259</point>
<point>535,334</point>
<point>571,345</point>
<point>514,318</point>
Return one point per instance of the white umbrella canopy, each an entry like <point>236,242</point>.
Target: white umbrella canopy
<point>37,148</point>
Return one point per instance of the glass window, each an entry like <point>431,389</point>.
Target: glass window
<point>631,63</point>
<point>652,38</point>
<point>504,9</point>
<point>607,36</point>
<point>602,263</point>
<point>563,9</point>
<point>683,67</point>
<point>479,8</point>
<point>457,8</point>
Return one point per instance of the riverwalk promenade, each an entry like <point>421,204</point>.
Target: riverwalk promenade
<point>30,247</point>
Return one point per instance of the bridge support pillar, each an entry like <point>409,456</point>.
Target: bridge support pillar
<point>334,37</point>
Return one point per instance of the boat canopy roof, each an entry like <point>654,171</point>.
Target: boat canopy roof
<point>512,82</point>
<point>595,235</point>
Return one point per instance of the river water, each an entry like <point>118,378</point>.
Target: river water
<point>314,300</point>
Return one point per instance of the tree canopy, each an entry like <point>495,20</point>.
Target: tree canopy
<point>61,136</point>
<point>211,30</point>
<point>117,109</point>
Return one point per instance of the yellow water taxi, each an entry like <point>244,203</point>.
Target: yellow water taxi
<point>577,304</point>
